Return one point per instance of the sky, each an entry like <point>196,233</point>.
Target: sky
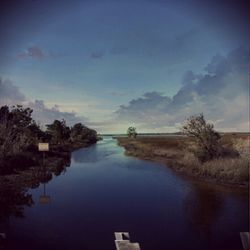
<point>111,64</point>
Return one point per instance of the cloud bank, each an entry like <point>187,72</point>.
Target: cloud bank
<point>11,95</point>
<point>221,94</point>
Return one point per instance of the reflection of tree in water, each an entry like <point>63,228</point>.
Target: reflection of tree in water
<point>62,167</point>
<point>12,202</point>
<point>14,196</point>
<point>202,207</point>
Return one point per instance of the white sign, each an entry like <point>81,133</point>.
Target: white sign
<point>43,146</point>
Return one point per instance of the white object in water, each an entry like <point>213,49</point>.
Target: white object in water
<point>122,242</point>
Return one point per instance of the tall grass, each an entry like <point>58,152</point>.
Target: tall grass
<point>176,152</point>
<point>231,170</point>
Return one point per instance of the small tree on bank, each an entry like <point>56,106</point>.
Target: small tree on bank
<point>131,132</point>
<point>205,138</point>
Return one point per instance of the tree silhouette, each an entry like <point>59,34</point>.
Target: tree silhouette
<point>131,132</point>
<point>58,131</point>
<point>17,130</point>
<point>205,138</point>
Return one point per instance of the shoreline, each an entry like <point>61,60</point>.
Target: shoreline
<point>14,187</point>
<point>55,162</point>
<point>147,148</point>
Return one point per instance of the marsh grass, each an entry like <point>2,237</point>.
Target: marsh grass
<point>177,153</point>
<point>229,169</point>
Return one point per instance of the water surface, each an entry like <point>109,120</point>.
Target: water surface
<point>103,191</point>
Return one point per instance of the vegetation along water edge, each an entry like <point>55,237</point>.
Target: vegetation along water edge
<point>198,151</point>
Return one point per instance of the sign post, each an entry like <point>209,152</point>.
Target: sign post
<point>44,147</point>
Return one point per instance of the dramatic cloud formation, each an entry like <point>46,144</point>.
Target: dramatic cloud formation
<point>221,94</point>
<point>104,53</point>
<point>45,115</point>
<point>11,95</point>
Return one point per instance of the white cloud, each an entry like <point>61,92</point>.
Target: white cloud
<point>45,115</point>
<point>221,94</point>
<point>11,95</point>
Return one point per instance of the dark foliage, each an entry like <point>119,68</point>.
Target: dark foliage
<point>131,132</point>
<point>80,133</point>
<point>20,135</point>
<point>206,139</point>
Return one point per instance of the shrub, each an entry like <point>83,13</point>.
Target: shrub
<point>131,132</point>
<point>206,139</point>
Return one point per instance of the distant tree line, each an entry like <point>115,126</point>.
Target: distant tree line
<point>19,132</point>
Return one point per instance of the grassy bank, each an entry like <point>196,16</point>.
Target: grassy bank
<point>176,152</point>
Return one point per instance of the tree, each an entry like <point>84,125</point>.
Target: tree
<point>76,132</point>
<point>131,132</point>
<point>17,130</point>
<point>58,131</point>
<point>80,133</point>
<point>205,138</point>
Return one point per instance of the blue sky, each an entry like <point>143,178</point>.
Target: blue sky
<point>87,60</point>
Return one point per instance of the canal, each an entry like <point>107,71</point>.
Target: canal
<point>103,191</point>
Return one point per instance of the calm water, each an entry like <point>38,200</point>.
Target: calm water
<point>104,191</point>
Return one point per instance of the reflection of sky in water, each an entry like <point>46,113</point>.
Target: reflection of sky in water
<point>105,149</point>
<point>104,191</point>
